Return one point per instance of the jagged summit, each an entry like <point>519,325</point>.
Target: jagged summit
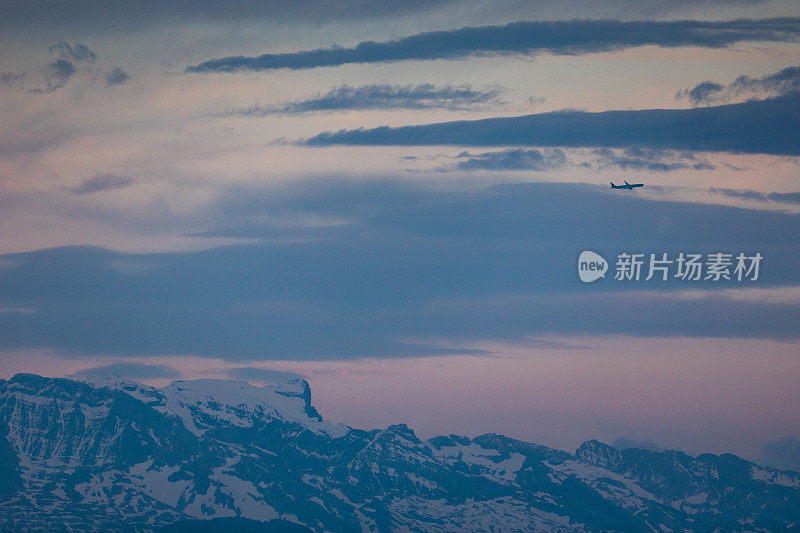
<point>218,401</point>
<point>284,383</point>
<point>202,404</point>
<point>122,455</point>
<point>599,454</point>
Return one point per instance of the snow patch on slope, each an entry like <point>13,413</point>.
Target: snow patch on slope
<point>492,461</point>
<point>775,477</point>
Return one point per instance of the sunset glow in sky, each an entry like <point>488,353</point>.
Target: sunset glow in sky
<point>191,190</point>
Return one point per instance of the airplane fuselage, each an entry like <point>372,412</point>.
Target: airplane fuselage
<point>627,186</point>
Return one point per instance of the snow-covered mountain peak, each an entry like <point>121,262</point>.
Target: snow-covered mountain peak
<point>117,382</point>
<point>201,404</point>
<point>599,454</point>
<point>78,457</point>
<point>222,390</point>
<point>207,403</point>
<point>239,392</point>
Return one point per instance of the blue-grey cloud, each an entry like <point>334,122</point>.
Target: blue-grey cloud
<point>102,182</point>
<point>516,159</point>
<point>785,197</point>
<point>119,16</point>
<point>261,374</point>
<point>744,194</point>
<point>11,79</point>
<point>116,16</point>
<point>56,75</point>
<point>704,92</point>
<point>381,96</point>
<point>80,52</point>
<point>415,262</point>
<point>116,77</point>
<point>556,37</point>
<point>73,61</point>
<point>766,126</point>
<point>650,159</point>
<point>133,371</point>
<point>708,92</point>
<point>785,81</point>
<point>782,453</point>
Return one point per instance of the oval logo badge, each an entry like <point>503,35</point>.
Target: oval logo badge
<point>591,266</point>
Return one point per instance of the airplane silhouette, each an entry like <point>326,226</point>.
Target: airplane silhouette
<point>627,185</point>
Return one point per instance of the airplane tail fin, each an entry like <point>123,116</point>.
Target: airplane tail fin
<point>612,183</point>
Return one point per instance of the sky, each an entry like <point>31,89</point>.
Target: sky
<point>391,200</point>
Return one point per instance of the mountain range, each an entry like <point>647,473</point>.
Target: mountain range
<point>218,455</point>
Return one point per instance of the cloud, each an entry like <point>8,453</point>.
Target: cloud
<point>422,96</point>
<point>116,77</point>
<point>743,194</point>
<point>556,37</point>
<point>517,159</point>
<point>11,79</point>
<point>650,159</point>
<point>709,93</point>
<point>116,16</point>
<point>59,71</point>
<point>102,182</point>
<point>79,52</point>
<point>766,126</point>
<point>782,453</point>
<point>119,16</point>
<point>419,269</point>
<point>785,197</point>
<point>262,374</point>
<point>133,371</point>
<point>56,75</point>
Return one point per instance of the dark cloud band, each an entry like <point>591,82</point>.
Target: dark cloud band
<point>414,262</point>
<point>557,37</point>
<point>708,92</point>
<point>766,126</point>
<point>650,159</point>
<point>380,96</point>
<point>746,194</point>
<point>102,182</point>
<point>516,159</point>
